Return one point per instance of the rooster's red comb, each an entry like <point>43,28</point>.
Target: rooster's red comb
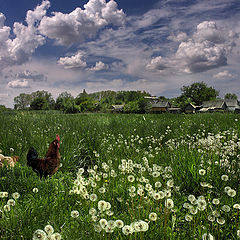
<point>57,137</point>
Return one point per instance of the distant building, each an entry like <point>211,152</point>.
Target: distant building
<point>237,110</point>
<point>151,99</point>
<point>232,104</point>
<point>174,110</point>
<point>191,108</point>
<point>117,108</point>
<point>160,107</point>
<point>213,106</point>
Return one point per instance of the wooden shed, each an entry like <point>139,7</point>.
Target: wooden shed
<point>175,110</point>
<point>232,104</point>
<point>160,107</point>
<point>117,108</point>
<point>190,108</point>
<point>213,106</point>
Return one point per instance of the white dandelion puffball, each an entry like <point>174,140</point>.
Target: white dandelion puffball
<point>74,214</point>
<point>39,235</point>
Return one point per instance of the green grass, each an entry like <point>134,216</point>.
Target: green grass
<point>174,146</point>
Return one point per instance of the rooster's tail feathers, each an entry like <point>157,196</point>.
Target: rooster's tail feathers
<point>31,156</point>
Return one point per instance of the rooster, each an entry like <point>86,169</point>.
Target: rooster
<point>45,166</point>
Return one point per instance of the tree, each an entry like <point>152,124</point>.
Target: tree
<point>39,103</point>
<point>62,99</point>
<point>71,107</point>
<point>3,108</point>
<point>230,96</point>
<point>22,101</point>
<point>131,107</point>
<point>199,92</point>
<point>44,95</point>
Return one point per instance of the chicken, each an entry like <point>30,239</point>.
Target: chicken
<point>8,161</point>
<point>46,166</point>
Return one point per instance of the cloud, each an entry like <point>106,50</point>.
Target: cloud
<point>75,61</point>
<point>159,63</point>
<point>223,75</point>
<point>18,84</point>
<point>99,66</point>
<point>201,56</point>
<point>4,95</point>
<point>208,30</point>
<point>35,77</point>
<point>79,25</point>
<point>18,50</point>
<point>206,49</point>
<point>180,37</point>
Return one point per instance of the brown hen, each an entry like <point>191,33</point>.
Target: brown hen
<point>45,166</point>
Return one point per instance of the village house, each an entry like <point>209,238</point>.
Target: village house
<point>160,107</point>
<point>174,110</point>
<point>151,99</point>
<point>213,106</point>
<point>232,104</point>
<point>191,108</point>
<point>117,108</point>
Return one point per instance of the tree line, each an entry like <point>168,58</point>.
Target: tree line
<point>102,101</point>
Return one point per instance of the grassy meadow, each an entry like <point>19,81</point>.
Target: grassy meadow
<point>148,177</point>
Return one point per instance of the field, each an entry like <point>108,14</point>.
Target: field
<point>149,177</point>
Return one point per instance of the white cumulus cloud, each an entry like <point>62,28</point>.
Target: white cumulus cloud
<point>207,49</point>
<point>201,56</point>
<point>99,66</point>
<point>80,24</point>
<point>23,83</point>
<point>180,37</point>
<point>159,63</point>
<point>223,75</point>
<point>75,61</point>
<point>17,50</point>
<point>35,77</point>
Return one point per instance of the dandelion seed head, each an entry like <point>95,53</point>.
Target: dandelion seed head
<point>39,235</point>
<point>224,177</point>
<point>74,214</point>
<point>49,229</point>
<point>153,216</point>
<point>202,172</point>
<point>131,178</point>
<point>169,203</point>
<point>226,208</point>
<point>11,202</point>
<point>191,198</point>
<point>215,201</point>
<point>220,221</point>
<point>231,193</point>
<point>119,223</point>
<point>35,190</point>
<point>56,236</point>
<point>236,206</point>
<point>93,197</point>
<point>103,223</point>
<point>16,195</point>
<point>6,208</point>
<point>188,217</point>
<point>127,230</point>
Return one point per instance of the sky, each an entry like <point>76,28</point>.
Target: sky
<point>156,45</point>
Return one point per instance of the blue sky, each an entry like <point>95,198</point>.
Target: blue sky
<point>157,46</point>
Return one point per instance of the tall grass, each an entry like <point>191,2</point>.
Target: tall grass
<point>151,148</point>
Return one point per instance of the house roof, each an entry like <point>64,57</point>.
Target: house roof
<point>118,107</point>
<point>192,105</point>
<point>232,103</point>
<point>161,104</point>
<point>213,104</point>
